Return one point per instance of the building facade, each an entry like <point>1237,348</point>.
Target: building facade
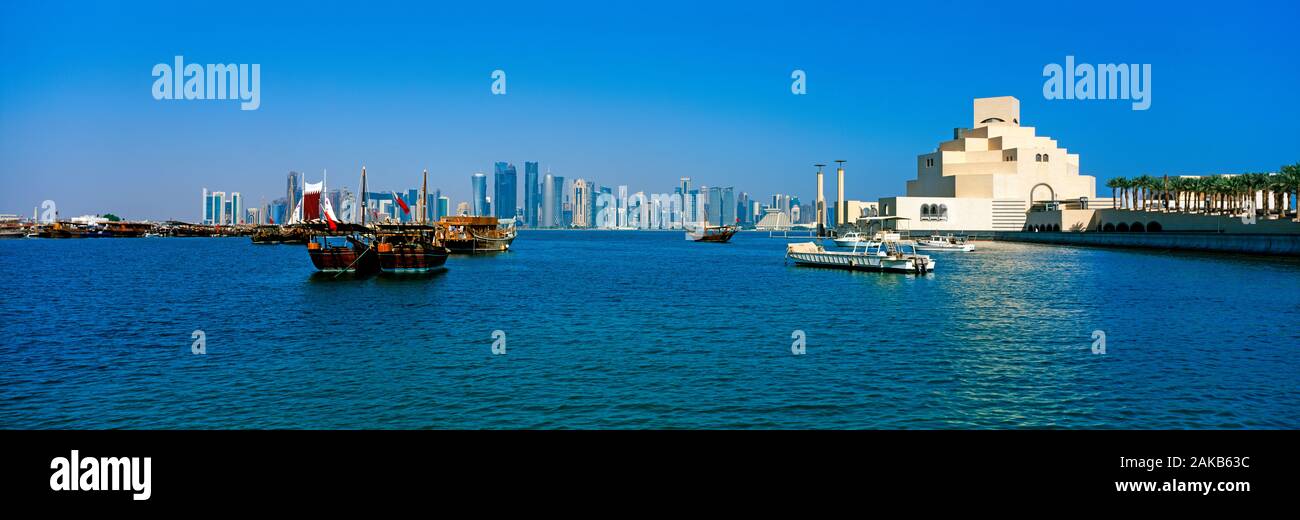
<point>987,176</point>
<point>478,197</point>
<point>505,190</point>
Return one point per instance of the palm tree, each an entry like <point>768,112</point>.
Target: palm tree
<point>1277,194</point>
<point>1148,184</point>
<point>1219,188</point>
<point>1236,190</point>
<point>1291,185</point>
<point>1255,183</point>
<point>1115,183</point>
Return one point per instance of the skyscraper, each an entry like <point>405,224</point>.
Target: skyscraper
<point>294,192</point>
<point>217,207</point>
<point>505,190</point>
<point>444,205</point>
<point>559,201</point>
<point>727,205</point>
<point>532,195</point>
<point>236,213</point>
<point>582,204</point>
<point>550,207</point>
<point>715,206</point>
<point>207,208</point>
<point>478,195</point>
<point>688,200</point>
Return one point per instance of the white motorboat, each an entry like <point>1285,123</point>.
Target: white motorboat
<point>884,252</point>
<point>852,239</point>
<point>945,243</point>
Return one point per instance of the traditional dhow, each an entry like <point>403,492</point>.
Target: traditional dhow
<point>475,234</point>
<point>408,248</point>
<point>273,234</point>
<point>884,252</point>
<point>717,234</point>
<point>344,248</point>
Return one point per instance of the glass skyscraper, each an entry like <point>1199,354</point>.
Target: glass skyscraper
<point>505,191</point>
<point>532,194</point>
<point>478,196</point>
<point>715,206</point>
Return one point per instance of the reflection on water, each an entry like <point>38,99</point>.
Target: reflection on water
<point>627,329</point>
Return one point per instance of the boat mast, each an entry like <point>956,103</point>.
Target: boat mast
<point>364,206</point>
<point>424,198</point>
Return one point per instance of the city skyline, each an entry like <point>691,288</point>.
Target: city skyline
<point>705,95</point>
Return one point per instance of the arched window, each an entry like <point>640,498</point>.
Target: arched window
<point>925,212</point>
<point>1154,226</point>
<point>1137,227</point>
<point>1038,157</point>
<point>1122,227</point>
<point>1108,227</point>
<point>1044,157</point>
<point>943,212</point>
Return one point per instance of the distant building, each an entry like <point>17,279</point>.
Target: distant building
<point>560,219</point>
<point>505,190</point>
<point>582,204</point>
<point>443,207</point>
<point>462,208</point>
<point>532,194</point>
<point>478,197</point>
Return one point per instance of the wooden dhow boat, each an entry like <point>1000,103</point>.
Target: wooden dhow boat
<point>408,248</point>
<point>464,234</point>
<point>717,234</point>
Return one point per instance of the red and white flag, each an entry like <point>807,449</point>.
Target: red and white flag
<point>405,208</point>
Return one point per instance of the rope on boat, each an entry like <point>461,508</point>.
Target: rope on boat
<point>354,262</point>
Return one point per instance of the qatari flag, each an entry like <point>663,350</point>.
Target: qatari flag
<point>405,209</point>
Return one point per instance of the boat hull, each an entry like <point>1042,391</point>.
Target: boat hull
<point>713,235</point>
<point>857,262</point>
<point>965,248</point>
<point>472,245</point>
<point>412,259</point>
<point>344,259</point>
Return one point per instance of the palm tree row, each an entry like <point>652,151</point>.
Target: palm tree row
<point>1217,194</point>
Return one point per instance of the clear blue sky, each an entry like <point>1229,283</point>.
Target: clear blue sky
<point>625,94</point>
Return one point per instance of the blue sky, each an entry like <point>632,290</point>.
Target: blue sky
<point>623,94</point>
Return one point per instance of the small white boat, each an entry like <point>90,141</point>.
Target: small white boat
<point>852,239</point>
<point>884,252</point>
<point>942,243</point>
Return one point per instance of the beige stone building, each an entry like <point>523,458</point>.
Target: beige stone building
<point>989,175</point>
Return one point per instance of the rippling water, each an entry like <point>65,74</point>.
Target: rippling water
<point>643,329</point>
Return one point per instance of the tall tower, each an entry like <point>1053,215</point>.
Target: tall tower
<point>841,206</point>
<point>478,195</point>
<point>821,202</point>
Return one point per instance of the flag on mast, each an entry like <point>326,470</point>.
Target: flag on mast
<point>405,208</point>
